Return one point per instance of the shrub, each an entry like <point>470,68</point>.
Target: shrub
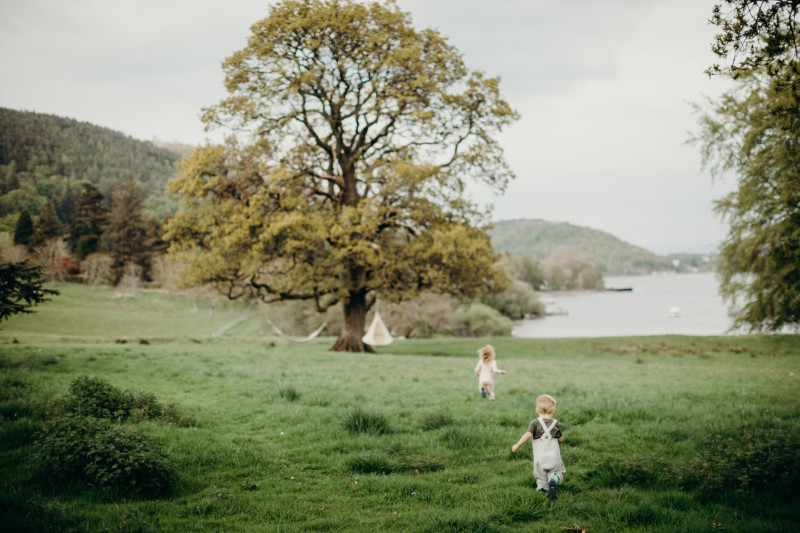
<point>480,320</point>
<point>101,454</point>
<point>97,398</point>
<point>359,421</point>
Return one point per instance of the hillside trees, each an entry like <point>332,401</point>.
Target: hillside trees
<point>364,131</point>
<point>126,237</point>
<point>47,226</point>
<point>753,131</point>
<point>23,231</point>
<point>89,219</point>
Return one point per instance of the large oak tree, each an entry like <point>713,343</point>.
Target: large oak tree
<point>345,181</point>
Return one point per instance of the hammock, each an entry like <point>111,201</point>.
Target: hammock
<point>296,340</point>
<point>377,334</point>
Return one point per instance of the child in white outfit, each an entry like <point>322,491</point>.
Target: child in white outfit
<point>548,468</point>
<point>485,370</point>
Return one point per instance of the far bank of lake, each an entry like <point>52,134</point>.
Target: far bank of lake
<point>645,310</point>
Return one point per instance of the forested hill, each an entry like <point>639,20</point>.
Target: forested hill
<point>45,157</point>
<point>610,255</point>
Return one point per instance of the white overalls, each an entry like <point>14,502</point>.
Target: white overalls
<point>546,457</point>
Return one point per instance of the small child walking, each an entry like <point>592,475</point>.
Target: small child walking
<point>548,468</point>
<point>485,370</point>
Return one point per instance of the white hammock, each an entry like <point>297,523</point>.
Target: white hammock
<point>297,340</point>
<point>377,334</point>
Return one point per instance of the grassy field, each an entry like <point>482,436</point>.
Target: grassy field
<point>275,446</point>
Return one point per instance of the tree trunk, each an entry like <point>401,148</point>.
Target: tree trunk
<point>355,317</point>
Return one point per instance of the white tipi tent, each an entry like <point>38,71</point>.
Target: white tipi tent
<point>377,333</point>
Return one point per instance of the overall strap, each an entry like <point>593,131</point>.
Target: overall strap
<point>546,429</point>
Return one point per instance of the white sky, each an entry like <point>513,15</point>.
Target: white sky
<point>603,87</point>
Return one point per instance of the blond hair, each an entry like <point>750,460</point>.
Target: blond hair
<point>546,404</point>
<point>486,353</point>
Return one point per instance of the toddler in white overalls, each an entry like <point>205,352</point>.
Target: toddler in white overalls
<point>548,468</point>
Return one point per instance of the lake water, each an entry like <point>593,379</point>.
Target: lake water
<point>643,311</point>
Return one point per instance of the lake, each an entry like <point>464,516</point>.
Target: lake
<point>643,311</point>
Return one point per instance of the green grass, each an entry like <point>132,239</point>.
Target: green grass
<point>297,438</point>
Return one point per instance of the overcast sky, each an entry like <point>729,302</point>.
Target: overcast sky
<point>603,88</point>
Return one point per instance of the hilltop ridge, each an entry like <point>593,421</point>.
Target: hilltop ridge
<point>610,255</point>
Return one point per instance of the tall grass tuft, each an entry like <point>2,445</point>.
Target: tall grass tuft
<point>290,394</point>
<point>357,420</point>
<point>437,420</point>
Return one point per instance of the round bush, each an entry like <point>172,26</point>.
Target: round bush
<point>101,454</point>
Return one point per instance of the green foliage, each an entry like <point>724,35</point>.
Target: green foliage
<point>97,398</point>
<point>538,239</point>
<point>752,131</point>
<point>480,320</point>
<point>57,154</point>
<point>126,238</point>
<point>352,188</point>
<point>759,35</point>
<point>23,230</point>
<point>94,451</point>
<point>47,226</point>
<point>89,219</point>
<point>519,300</point>
<point>358,420</point>
<point>21,287</point>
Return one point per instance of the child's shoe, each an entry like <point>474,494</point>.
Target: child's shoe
<point>483,392</point>
<point>553,485</point>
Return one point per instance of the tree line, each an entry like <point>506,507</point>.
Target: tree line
<point>48,158</point>
<point>102,242</point>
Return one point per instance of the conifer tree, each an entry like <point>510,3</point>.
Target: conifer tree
<point>24,228</point>
<point>126,237</point>
<point>47,227</point>
<point>89,219</point>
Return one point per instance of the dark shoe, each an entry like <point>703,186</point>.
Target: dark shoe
<point>483,392</point>
<point>553,485</point>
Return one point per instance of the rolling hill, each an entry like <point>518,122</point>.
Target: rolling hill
<point>610,255</point>
<point>46,157</point>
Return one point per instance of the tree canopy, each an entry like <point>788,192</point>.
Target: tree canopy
<point>753,131</point>
<point>361,134</point>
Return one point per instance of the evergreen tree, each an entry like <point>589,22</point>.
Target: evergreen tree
<point>89,219</point>
<point>126,236</point>
<point>24,228</point>
<point>21,287</point>
<point>47,226</point>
